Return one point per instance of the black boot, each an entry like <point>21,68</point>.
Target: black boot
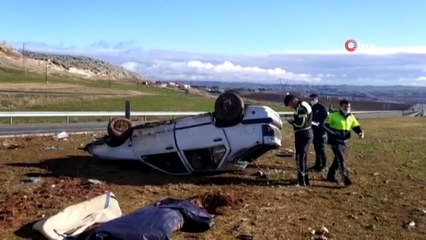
<point>302,173</point>
<point>347,181</point>
<point>317,168</point>
<point>307,180</point>
<point>331,178</point>
<point>303,180</point>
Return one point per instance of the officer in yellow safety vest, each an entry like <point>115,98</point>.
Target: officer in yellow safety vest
<point>302,120</point>
<point>338,125</point>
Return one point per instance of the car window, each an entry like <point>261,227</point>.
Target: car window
<point>205,158</point>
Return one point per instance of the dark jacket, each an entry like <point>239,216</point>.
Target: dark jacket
<point>319,114</point>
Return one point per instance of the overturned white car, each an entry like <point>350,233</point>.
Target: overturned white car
<point>227,139</point>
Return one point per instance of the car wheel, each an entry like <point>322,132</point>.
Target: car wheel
<point>118,126</point>
<point>229,106</point>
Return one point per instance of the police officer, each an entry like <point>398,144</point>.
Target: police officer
<point>319,114</point>
<point>338,126</point>
<point>303,135</point>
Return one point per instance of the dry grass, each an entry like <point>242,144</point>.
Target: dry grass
<point>388,169</point>
<point>27,95</point>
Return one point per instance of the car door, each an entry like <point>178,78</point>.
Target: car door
<point>201,144</point>
<point>156,147</point>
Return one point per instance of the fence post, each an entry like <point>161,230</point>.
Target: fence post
<point>127,109</point>
<point>11,120</point>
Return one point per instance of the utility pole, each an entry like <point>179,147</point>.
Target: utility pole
<point>137,80</point>
<point>23,59</point>
<point>47,63</point>
<point>281,85</point>
<point>284,87</point>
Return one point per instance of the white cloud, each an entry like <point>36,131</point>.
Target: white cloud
<point>328,75</point>
<point>225,71</point>
<point>421,79</point>
<point>132,66</point>
<point>227,68</point>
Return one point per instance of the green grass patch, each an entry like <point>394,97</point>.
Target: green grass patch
<point>153,98</point>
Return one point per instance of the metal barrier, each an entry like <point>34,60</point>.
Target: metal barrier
<point>68,115</point>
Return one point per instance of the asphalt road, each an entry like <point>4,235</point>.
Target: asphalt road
<point>40,129</point>
<point>48,129</point>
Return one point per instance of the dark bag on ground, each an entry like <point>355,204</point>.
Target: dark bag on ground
<point>155,222</point>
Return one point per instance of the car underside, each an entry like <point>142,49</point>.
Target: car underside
<point>227,139</point>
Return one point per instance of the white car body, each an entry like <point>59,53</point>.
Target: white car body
<point>198,144</point>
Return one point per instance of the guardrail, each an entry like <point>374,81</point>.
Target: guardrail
<point>68,115</point>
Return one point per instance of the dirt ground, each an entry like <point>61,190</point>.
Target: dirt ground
<point>388,169</point>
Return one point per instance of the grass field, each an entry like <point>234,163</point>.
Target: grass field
<point>31,93</point>
<point>388,169</point>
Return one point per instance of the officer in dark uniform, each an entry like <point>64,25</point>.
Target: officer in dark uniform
<point>338,126</point>
<point>302,119</point>
<point>319,114</point>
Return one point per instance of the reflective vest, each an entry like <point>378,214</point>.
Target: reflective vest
<point>302,116</point>
<point>339,126</point>
<point>338,121</point>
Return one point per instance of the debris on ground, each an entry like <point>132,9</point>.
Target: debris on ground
<point>411,225</point>
<point>31,180</point>
<point>320,234</point>
<point>72,220</point>
<point>62,135</point>
<point>286,153</point>
<point>156,221</point>
<point>260,175</point>
<point>51,148</point>
<point>11,145</point>
<point>322,231</point>
<point>94,181</point>
<point>217,202</point>
<point>278,171</point>
<point>245,237</point>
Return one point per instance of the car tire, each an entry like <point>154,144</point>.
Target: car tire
<point>229,107</point>
<point>118,127</point>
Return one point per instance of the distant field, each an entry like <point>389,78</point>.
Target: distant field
<point>20,92</point>
<point>388,169</point>
<point>356,105</point>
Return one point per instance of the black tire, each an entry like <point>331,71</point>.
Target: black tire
<point>118,127</point>
<point>229,107</point>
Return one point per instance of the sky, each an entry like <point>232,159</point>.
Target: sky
<point>233,40</point>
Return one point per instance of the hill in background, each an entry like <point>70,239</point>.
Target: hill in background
<point>64,65</point>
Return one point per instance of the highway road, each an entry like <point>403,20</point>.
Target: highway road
<point>41,129</point>
<point>48,129</point>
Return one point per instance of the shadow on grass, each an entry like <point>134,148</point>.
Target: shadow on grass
<point>27,232</point>
<point>138,174</point>
<point>130,173</point>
